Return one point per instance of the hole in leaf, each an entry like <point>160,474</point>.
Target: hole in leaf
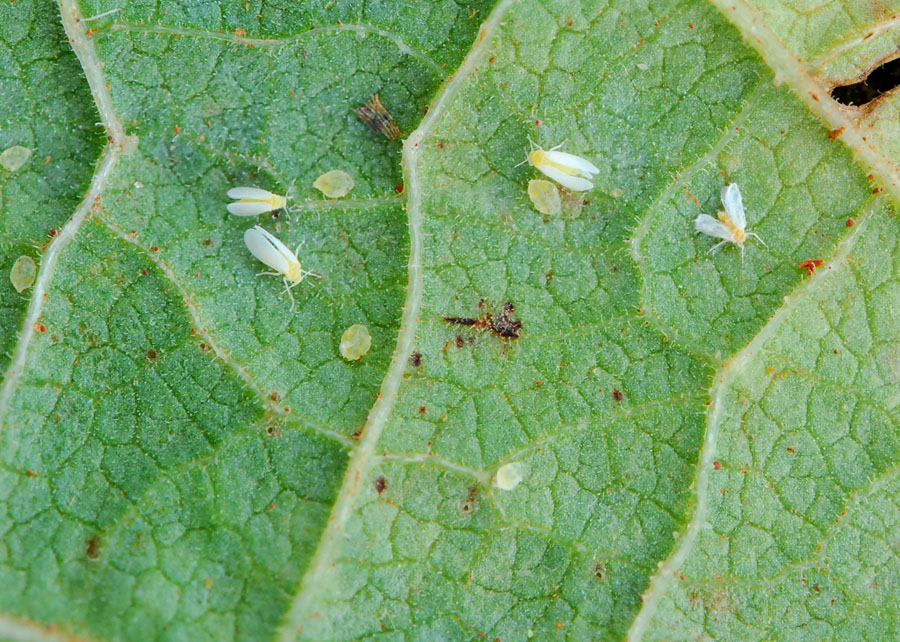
<point>881,80</point>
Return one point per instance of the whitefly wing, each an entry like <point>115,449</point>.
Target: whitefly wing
<point>248,208</point>
<point>574,183</point>
<point>253,193</point>
<point>713,227</point>
<point>734,205</point>
<point>268,249</point>
<point>573,161</point>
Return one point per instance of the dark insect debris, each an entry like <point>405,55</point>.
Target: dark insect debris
<point>415,359</point>
<point>378,119</point>
<point>617,395</point>
<point>380,485</point>
<point>502,324</point>
<point>469,504</point>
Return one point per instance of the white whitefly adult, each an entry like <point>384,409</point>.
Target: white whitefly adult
<point>267,248</point>
<point>253,201</point>
<point>731,225</point>
<point>571,171</point>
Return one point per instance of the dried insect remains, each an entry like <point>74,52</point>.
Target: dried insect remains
<point>378,119</point>
<point>503,325</point>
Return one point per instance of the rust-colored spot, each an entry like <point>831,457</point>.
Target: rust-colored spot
<point>93,548</point>
<point>421,410</point>
<point>810,265</point>
<point>617,395</point>
<point>835,133</point>
<point>717,465</point>
<point>39,327</point>
<point>240,32</point>
<point>380,485</point>
<point>151,355</point>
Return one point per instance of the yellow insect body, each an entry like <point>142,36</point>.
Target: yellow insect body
<point>738,235</point>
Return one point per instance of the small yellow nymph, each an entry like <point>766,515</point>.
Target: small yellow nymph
<point>509,475</point>
<point>355,342</point>
<point>334,184</point>
<point>544,196</point>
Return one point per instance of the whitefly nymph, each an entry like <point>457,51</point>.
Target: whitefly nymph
<point>731,225</point>
<point>571,171</point>
<point>253,201</point>
<point>267,248</point>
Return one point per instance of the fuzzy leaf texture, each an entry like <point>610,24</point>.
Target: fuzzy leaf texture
<point>694,446</point>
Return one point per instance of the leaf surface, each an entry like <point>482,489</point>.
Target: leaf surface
<point>707,442</point>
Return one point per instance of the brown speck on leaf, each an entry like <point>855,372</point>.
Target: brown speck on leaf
<point>240,32</point>
<point>835,133</point>
<point>600,571</point>
<point>617,395</point>
<point>93,548</point>
<point>207,242</point>
<point>275,396</point>
<point>415,359</point>
<point>460,342</point>
<point>151,355</point>
<point>378,119</point>
<point>421,410</point>
<point>380,485</point>
<point>469,505</point>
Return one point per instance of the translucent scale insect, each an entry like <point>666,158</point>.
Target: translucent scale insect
<point>731,226</point>
<point>253,201</point>
<point>569,170</point>
<point>509,475</point>
<point>271,251</point>
<point>355,342</point>
<point>544,196</point>
<point>334,184</point>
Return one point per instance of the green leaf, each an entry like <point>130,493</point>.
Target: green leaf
<point>707,442</point>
